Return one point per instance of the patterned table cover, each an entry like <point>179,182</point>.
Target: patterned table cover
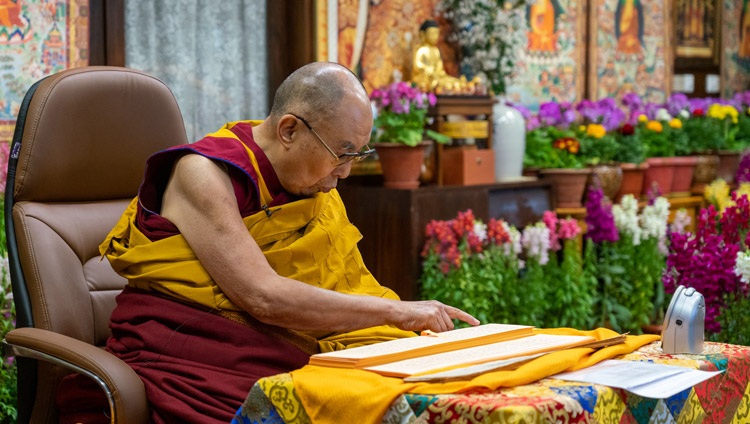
<point>724,398</point>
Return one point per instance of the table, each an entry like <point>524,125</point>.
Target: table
<point>722,399</point>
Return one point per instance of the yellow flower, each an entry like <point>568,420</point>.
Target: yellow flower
<point>582,128</point>
<point>722,112</point>
<point>596,130</point>
<point>675,123</point>
<point>717,194</point>
<point>642,118</point>
<point>654,126</point>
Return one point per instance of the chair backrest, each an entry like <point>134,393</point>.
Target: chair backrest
<point>78,156</point>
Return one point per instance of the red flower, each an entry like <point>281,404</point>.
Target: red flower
<point>698,112</point>
<point>627,129</point>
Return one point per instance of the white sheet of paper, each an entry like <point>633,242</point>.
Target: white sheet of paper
<point>646,379</point>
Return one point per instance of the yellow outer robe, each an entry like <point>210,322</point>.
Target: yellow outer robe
<point>310,240</point>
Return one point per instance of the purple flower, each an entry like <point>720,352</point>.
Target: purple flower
<point>600,221</point>
<point>677,102</point>
<point>550,113</point>
<point>743,170</point>
<point>525,112</point>
<point>632,101</point>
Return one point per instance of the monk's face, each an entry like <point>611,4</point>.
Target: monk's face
<point>315,168</point>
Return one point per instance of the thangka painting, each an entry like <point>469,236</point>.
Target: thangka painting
<point>630,49</point>
<point>735,69</point>
<point>550,53</point>
<point>37,38</point>
<point>376,38</point>
<point>697,30</point>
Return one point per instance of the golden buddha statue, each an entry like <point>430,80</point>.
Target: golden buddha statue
<point>427,67</point>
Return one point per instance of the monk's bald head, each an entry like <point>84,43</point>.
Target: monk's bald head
<point>317,90</point>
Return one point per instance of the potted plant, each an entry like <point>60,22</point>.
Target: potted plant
<point>399,132</point>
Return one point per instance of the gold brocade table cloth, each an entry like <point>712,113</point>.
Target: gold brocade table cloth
<point>724,398</point>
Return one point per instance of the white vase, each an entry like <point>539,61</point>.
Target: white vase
<point>508,140</point>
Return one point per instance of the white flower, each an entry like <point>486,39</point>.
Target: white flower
<point>684,114</point>
<point>742,267</point>
<point>626,218</point>
<point>480,230</point>
<point>535,240</point>
<point>680,222</point>
<point>663,115</point>
<point>513,247</point>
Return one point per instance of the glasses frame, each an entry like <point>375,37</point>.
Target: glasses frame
<point>343,158</point>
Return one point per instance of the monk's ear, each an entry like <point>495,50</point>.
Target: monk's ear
<point>286,129</point>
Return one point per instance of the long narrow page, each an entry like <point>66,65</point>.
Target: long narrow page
<point>537,343</point>
<point>411,347</point>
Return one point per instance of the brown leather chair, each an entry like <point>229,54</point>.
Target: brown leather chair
<point>77,159</point>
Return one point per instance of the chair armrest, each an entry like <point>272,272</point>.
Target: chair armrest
<point>122,386</point>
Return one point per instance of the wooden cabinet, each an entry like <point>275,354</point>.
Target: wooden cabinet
<point>393,221</point>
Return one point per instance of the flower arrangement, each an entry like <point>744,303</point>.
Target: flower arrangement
<point>633,130</point>
<point>499,273</point>
<point>402,114</point>
<point>486,31</point>
<point>8,376</point>
<point>714,260</point>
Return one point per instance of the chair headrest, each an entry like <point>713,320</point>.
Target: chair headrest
<point>88,132</point>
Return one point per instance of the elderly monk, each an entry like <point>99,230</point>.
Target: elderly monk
<point>241,261</point>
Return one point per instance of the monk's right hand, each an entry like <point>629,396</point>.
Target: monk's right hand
<point>430,315</point>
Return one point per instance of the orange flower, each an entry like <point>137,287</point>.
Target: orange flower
<point>655,126</point>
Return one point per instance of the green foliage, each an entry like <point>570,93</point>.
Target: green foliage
<point>734,320</point>
<point>629,149</point>
<point>656,144</point>
<point>570,291</point>
<point>604,261</point>
<point>552,147</point>
<point>488,286</point>
<point>8,377</point>
<point>596,151</point>
<point>742,136</point>
<point>705,134</point>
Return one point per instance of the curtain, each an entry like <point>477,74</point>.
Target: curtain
<point>211,54</point>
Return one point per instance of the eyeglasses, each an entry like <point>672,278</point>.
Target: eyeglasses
<point>343,158</point>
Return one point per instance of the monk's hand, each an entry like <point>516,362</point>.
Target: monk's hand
<point>431,315</point>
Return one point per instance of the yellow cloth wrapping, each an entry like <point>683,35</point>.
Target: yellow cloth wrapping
<point>310,240</point>
<point>338,395</point>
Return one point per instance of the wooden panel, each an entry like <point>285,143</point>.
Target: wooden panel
<point>107,32</point>
<point>290,31</point>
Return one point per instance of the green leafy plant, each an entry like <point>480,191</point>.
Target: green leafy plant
<point>552,147</point>
<point>8,377</point>
<point>402,115</point>
<point>629,146</point>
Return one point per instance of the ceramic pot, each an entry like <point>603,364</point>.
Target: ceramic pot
<point>682,181</point>
<point>728,163</point>
<point>658,176</point>
<point>508,140</point>
<point>608,177</point>
<point>568,185</point>
<point>632,180</point>
<point>705,169</point>
<point>401,164</point>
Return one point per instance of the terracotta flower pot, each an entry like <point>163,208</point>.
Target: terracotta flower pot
<point>705,172</point>
<point>659,175</point>
<point>682,181</point>
<point>568,185</point>
<point>401,164</point>
<point>632,180</point>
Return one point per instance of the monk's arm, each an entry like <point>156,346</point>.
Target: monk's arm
<point>200,201</point>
